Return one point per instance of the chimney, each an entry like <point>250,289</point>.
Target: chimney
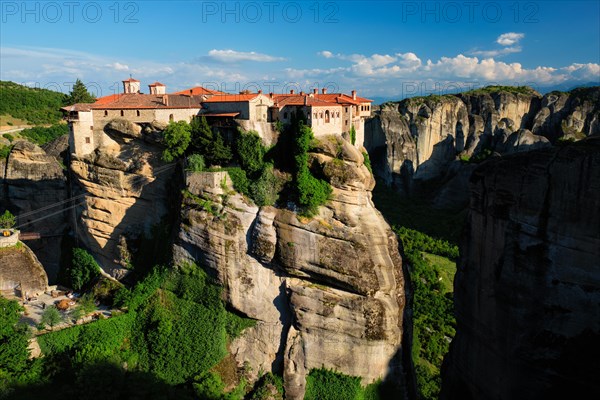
<point>259,91</point>
<point>301,93</point>
<point>305,100</point>
<point>271,95</point>
<point>354,95</point>
<point>315,91</point>
<point>292,91</point>
<point>324,90</point>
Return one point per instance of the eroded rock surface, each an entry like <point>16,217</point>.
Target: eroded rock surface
<point>326,291</point>
<point>527,290</point>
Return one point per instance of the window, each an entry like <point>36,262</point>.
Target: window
<point>327,116</point>
<point>87,140</point>
<point>106,113</point>
<point>122,113</point>
<point>138,113</point>
<point>346,109</point>
<point>346,122</point>
<point>171,117</point>
<point>91,127</point>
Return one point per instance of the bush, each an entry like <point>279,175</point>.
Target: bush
<point>177,137</point>
<point>83,268</point>
<point>9,137</point>
<point>367,162</point>
<point>265,190</point>
<point>51,317</point>
<point>353,135</point>
<point>195,163</point>
<point>250,152</point>
<point>5,151</point>
<point>268,387</point>
<point>7,220</point>
<point>325,384</point>
<point>41,135</point>
<point>240,181</point>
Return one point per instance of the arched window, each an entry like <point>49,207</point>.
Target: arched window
<point>171,117</point>
<point>106,113</point>
<point>122,113</point>
<point>138,113</point>
<point>327,116</point>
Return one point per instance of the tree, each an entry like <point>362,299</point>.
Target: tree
<point>7,220</point>
<point>177,137</point>
<point>14,350</point>
<point>195,163</point>
<point>265,191</point>
<point>79,94</point>
<point>352,135</point>
<point>251,152</point>
<point>210,144</point>
<point>83,268</point>
<point>51,316</point>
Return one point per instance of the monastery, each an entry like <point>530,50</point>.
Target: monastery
<point>327,113</point>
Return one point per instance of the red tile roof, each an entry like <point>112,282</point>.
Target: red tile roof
<point>199,90</point>
<point>282,100</point>
<point>156,84</point>
<point>231,98</point>
<point>231,114</point>
<point>78,107</point>
<point>149,101</point>
<point>108,99</point>
<point>130,80</point>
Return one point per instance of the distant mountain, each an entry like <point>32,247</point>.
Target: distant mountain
<point>37,106</point>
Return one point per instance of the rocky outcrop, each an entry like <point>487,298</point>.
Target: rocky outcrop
<point>527,288</point>
<point>414,142</point>
<point>21,272</point>
<point>35,190</point>
<point>123,194</point>
<point>325,291</point>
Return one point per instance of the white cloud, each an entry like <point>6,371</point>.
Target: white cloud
<point>510,38</point>
<point>497,53</point>
<point>118,66</point>
<point>326,54</point>
<point>232,56</point>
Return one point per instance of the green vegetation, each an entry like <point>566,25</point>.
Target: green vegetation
<point>431,267</point>
<point>240,181</point>
<point>83,269</point>
<point>50,317</point>
<point>209,142</point>
<point>352,135</point>
<point>9,137</point>
<point>325,384</point>
<point>195,163</point>
<point>177,137</point>
<point>41,135</point>
<point>268,387</point>
<point>526,90</point>
<point>265,190</point>
<point>79,94</point>
<point>37,106</point>
<point>172,332</point>
<point>250,152</point>
<point>7,220</point>
<point>312,192</point>
<point>5,151</point>
<point>14,353</point>
<point>367,162</point>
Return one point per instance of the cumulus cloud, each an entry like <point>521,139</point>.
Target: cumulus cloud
<point>118,66</point>
<point>510,38</point>
<point>497,53</point>
<point>232,56</point>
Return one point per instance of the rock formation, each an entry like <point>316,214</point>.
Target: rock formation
<point>527,290</point>
<point>326,291</point>
<point>21,272</point>
<point>420,140</point>
<point>34,180</point>
<point>123,194</point>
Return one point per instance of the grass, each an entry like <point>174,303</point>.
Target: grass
<point>8,120</point>
<point>447,269</point>
<point>526,90</point>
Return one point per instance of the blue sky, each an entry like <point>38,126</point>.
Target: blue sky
<point>388,49</point>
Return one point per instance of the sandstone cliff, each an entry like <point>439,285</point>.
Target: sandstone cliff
<point>420,140</point>
<point>527,290</point>
<point>34,180</point>
<point>326,291</point>
<point>21,272</point>
<point>123,194</point>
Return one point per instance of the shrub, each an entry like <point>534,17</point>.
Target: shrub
<point>240,181</point>
<point>13,340</point>
<point>209,143</point>
<point>83,268</point>
<point>177,138</point>
<point>7,220</point>
<point>195,163</point>
<point>5,151</point>
<point>9,137</point>
<point>268,387</point>
<point>250,151</point>
<point>325,384</point>
<point>367,161</point>
<point>265,190</point>
<point>209,386</point>
<point>41,135</point>
<point>51,317</point>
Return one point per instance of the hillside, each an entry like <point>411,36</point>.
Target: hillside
<point>32,105</point>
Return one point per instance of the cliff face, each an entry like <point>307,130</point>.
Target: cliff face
<point>123,194</point>
<point>527,288</point>
<point>420,139</point>
<point>326,291</point>
<point>34,180</point>
<point>21,271</point>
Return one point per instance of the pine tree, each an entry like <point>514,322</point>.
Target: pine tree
<point>208,143</point>
<point>79,94</point>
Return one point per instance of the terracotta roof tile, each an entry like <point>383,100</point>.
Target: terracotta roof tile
<point>130,80</point>
<point>199,90</point>
<point>149,101</point>
<point>156,84</point>
<point>231,98</point>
